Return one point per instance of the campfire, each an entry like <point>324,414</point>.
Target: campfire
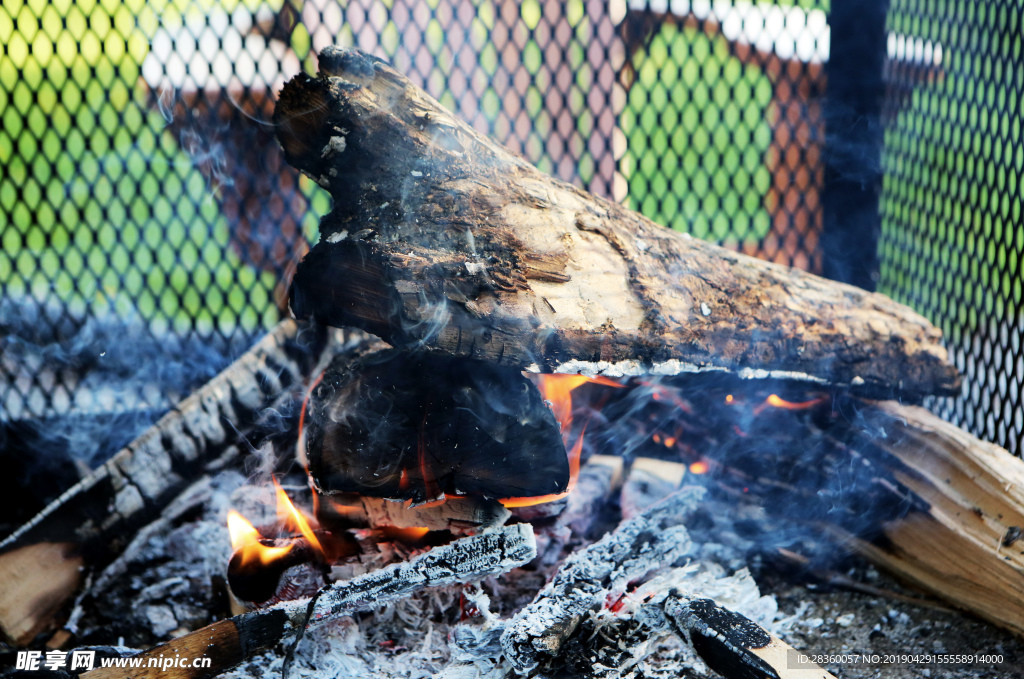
<point>529,432</point>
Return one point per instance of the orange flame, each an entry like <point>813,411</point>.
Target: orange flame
<point>557,391</point>
<point>293,519</point>
<point>774,401</point>
<point>245,541</point>
<point>699,467</point>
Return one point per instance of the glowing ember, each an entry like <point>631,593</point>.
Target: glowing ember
<point>245,541</point>
<point>403,535</point>
<point>699,467</point>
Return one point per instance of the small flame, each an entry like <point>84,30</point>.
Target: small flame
<point>775,401</point>
<point>699,467</point>
<point>293,519</point>
<point>557,390</point>
<point>405,535</point>
<point>245,541</point>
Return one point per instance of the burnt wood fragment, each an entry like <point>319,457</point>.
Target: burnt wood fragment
<point>652,539</point>
<point>229,642</point>
<point>42,564</point>
<point>439,237</point>
<point>417,426</point>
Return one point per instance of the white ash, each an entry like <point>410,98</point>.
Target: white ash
<point>651,540</point>
<point>169,578</point>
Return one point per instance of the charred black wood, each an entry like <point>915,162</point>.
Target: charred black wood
<point>418,426</point>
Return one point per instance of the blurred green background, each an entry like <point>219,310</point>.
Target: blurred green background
<point>102,211</point>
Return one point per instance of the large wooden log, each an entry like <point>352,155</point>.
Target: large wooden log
<point>441,238</point>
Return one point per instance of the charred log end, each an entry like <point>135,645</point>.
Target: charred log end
<point>300,116</point>
<point>348,284</point>
<point>724,640</point>
<point>409,426</point>
<point>353,65</point>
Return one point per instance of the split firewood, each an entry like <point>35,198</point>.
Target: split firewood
<point>42,564</point>
<point>966,546</point>
<point>229,642</point>
<point>653,539</point>
<point>440,238</point>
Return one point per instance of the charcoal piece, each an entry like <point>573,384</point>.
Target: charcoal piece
<point>414,426</point>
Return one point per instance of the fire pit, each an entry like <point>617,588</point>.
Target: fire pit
<point>575,443</point>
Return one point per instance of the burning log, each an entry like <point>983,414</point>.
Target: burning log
<point>420,427</point>
<point>42,564</point>
<point>728,642</point>
<point>441,238</point>
<point>230,642</point>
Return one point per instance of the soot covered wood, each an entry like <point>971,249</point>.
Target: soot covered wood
<point>414,426</point>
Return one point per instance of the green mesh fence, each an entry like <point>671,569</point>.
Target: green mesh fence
<point>952,232</point>
<point>149,224</point>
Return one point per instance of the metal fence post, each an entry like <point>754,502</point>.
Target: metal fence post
<point>853,140</point>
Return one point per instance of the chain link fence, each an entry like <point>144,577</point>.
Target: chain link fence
<point>952,235</point>
<point>149,224</point>
<point>142,195</point>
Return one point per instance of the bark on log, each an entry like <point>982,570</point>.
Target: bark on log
<point>42,564</point>
<point>441,238</point>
